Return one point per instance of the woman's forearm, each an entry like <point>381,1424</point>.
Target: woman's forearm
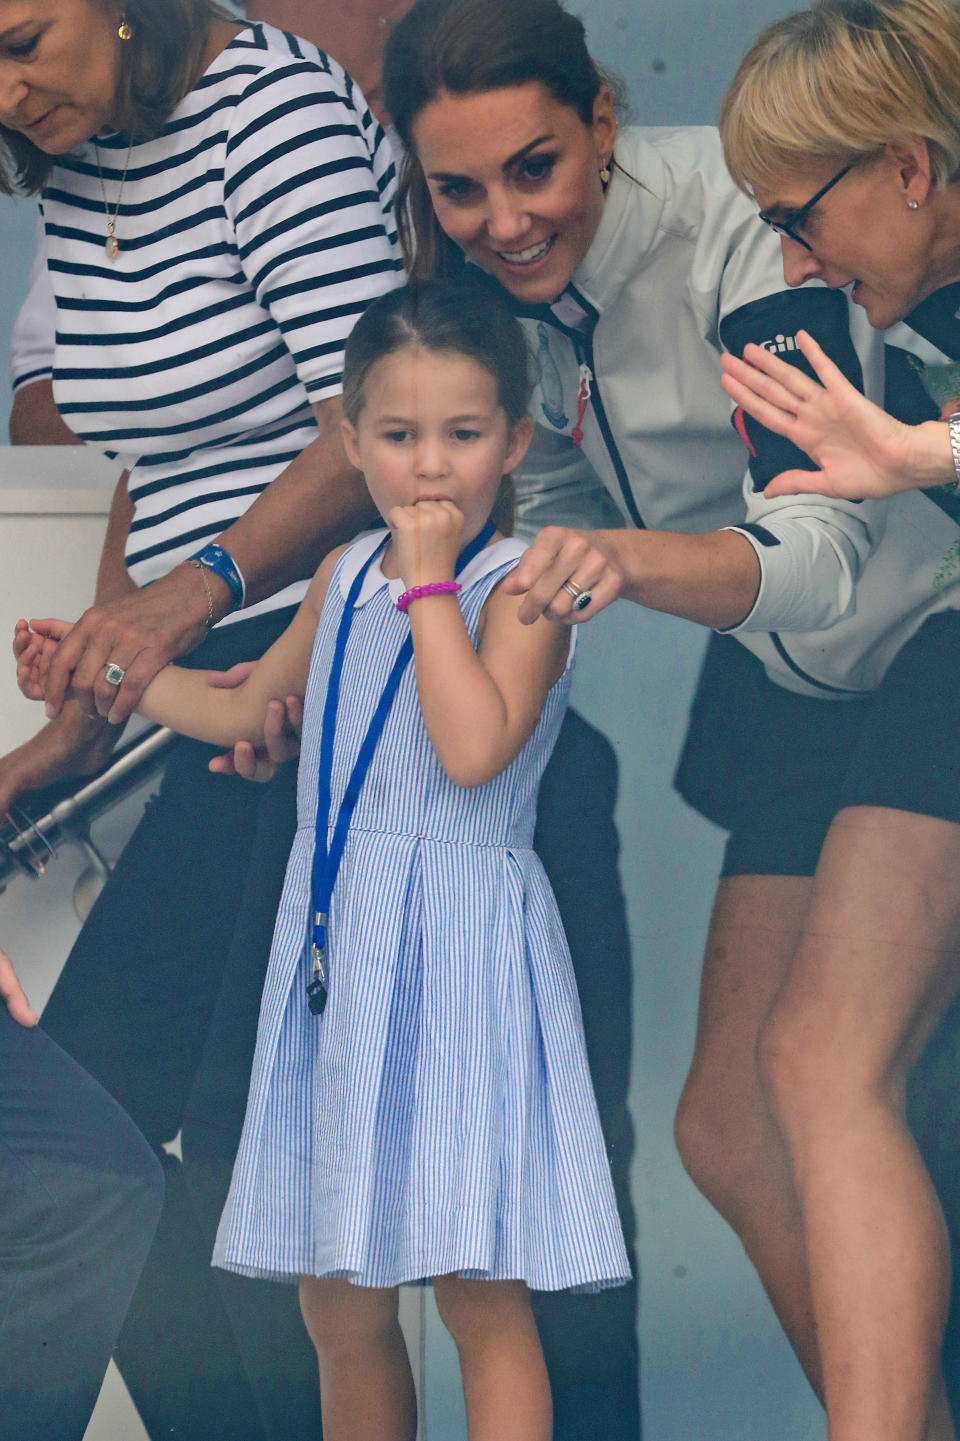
<point>930,458</point>
<point>113,578</point>
<point>318,502</point>
<point>712,579</point>
<point>35,419</point>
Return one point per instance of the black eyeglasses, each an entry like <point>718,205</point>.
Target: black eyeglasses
<point>788,225</point>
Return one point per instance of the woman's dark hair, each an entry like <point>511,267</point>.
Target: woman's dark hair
<point>159,63</point>
<point>462,315</point>
<point>467,47</point>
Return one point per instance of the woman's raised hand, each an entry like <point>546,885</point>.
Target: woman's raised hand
<point>861,451</point>
<point>560,568</point>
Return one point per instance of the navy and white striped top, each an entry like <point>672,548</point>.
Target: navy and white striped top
<point>253,231</point>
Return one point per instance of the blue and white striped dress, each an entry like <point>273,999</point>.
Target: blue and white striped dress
<point>439,1117</point>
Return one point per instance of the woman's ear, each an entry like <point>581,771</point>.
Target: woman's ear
<point>521,434</point>
<point>349,432</point>
<point>604,124</point>
<point>910,159</point>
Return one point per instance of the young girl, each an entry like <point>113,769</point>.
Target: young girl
<point>420,1103</point>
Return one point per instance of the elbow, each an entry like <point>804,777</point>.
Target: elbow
<point>469,769</point>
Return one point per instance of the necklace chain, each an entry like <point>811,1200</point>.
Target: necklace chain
<point>112,245</point>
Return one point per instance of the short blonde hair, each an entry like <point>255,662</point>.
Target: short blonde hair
<point>835,83</point>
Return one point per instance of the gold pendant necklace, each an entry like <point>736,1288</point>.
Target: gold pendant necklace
<point>112,245</point>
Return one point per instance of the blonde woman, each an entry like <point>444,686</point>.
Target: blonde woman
<point>844,125</point>
<point>869,94</point>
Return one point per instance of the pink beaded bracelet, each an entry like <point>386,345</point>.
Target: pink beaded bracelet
<point>434,587</point>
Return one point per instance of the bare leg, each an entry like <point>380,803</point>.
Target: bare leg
<point>726,1133</point>
<point>877,965</point>
<point>505,1382</point>
<point>366,1386</point>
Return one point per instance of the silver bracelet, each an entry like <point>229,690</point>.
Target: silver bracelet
<point>206,585</point>
<point>953,426</point>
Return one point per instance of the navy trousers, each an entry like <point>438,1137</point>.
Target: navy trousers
<point>80,1195</point>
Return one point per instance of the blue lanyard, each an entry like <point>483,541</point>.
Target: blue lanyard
<point>326,863</point>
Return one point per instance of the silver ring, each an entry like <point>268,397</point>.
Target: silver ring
<point>581,597</point>
<point>113,673</point>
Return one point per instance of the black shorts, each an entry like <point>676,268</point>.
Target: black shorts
<point>774,768</point>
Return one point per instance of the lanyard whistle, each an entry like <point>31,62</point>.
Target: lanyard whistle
<point>317,989</point>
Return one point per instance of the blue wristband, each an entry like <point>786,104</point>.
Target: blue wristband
<point>222,563</point>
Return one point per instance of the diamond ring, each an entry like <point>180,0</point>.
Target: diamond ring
<point>581,597</point>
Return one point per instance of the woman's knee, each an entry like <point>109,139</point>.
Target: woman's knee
<point>716,1135</point>
<point>340,1316</point>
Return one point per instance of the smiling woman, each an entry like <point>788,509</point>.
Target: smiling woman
<point>526,214</point>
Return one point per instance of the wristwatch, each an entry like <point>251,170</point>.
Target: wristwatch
<point>953,426</point>
<point>222,563</point>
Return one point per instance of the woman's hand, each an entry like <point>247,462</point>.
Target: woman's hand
<point>559,556</point>
<point>12,994</point>
<point>861,451</point>
<point>71,745</point>
<point>140,632</point>
<point>282,729</point>
<point>427,540</point>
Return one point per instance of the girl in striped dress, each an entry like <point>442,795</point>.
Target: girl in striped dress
<point>420,1103</point>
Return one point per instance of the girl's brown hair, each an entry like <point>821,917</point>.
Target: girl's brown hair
<point>466,315</point>
<point>159,63</point>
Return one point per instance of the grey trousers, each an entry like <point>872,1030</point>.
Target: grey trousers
<point>80,1196</point>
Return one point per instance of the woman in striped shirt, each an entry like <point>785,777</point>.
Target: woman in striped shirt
<point>216,204</point>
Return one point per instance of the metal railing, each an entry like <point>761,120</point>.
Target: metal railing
<point>44,820</point>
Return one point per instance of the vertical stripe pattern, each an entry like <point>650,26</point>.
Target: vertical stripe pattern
<point>439,1116</point>
<point>253,231</point>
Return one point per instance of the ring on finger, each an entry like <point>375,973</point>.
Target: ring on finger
<point>113,673</point>
<point>581,597</point>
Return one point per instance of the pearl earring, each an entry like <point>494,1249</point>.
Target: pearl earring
<point>605,174</point>
<point>913,204</point>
